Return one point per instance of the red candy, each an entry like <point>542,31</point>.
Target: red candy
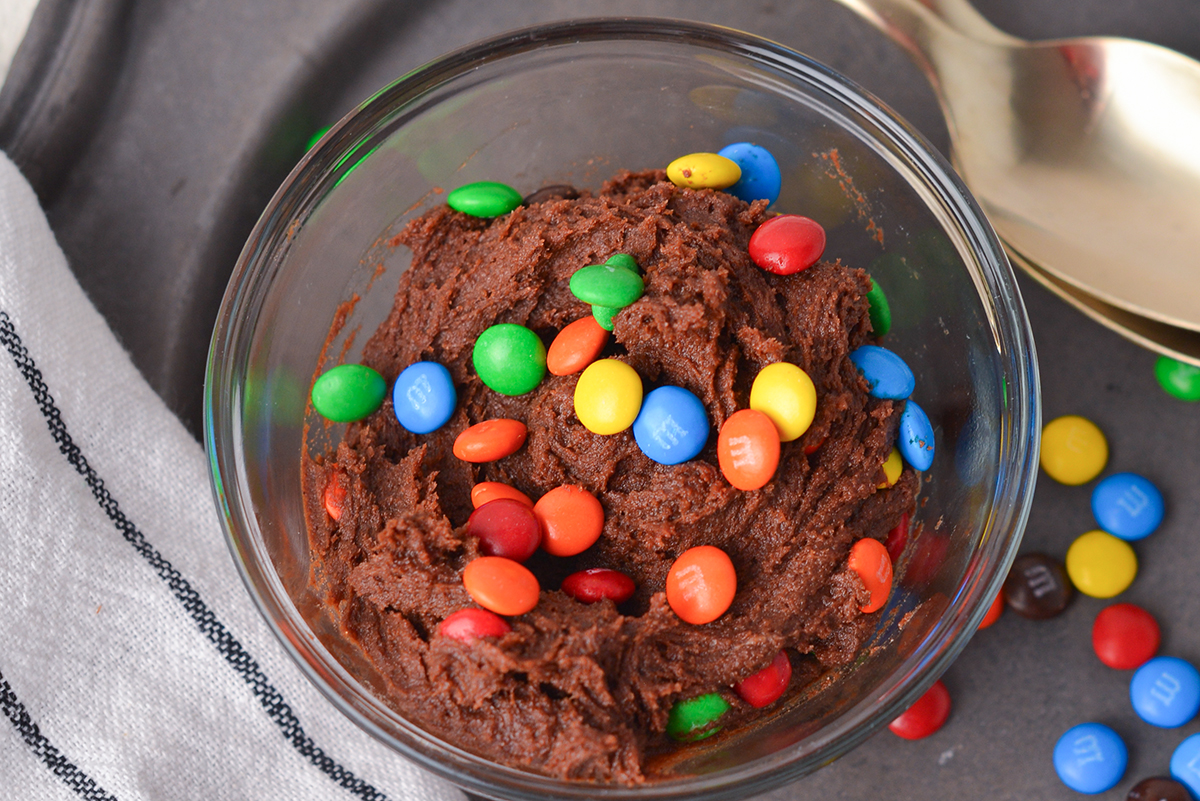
<point>767,685</point>
<point>787,244</point>
<point>505,527</point>
<point>1125,636</point>
<point>897,538</point>
<point>466,625</point>
<point>590,586</point>
<point>925,716</point>
<point>993,613</point>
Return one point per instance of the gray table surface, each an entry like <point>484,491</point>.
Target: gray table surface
<point>214,99</point>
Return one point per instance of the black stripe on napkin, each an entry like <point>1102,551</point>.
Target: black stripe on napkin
<point>242,663</point>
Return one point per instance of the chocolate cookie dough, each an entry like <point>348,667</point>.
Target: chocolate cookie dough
<point>576,690</point>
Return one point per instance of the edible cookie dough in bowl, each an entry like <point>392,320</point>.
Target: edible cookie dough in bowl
<point>622,699</point>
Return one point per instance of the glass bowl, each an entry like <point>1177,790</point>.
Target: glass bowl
<point>572,103</point>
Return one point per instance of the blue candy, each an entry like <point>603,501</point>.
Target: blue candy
<point>1090,758</point>
<point>761,179</point>
<point>672,425</point>
<point>1127,505</point>
<point>1185,764</point>
<point>424,397</point>
<point>886,373</point>
<point>1166,692</point>
<point>915,438</point>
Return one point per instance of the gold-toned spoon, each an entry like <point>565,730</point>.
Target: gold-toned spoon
<point>1084,153</point>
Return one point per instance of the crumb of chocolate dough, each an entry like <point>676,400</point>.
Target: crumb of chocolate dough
<point>583,691</point>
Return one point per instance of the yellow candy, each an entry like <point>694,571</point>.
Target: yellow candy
<point>1074,450</point>
<point>892,467</point>
<point>786,394</point>
<point>608,396</point>
<point>1100,565</point>
<point>704,171</point>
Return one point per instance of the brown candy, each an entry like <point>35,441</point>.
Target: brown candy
<point>1158,788</point>
<point>1037,587</point>
<point>553,192</point>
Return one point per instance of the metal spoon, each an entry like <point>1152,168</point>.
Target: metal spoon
<point>1084,153</point>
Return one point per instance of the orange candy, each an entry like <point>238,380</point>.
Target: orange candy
<point>701,583</point>
<point>748,449</point>
<point>869,559</point>
<point>576,346</point>
<point>334,497</point>
<point>571,519</point>
<point>501,585</point>
<point>487,491</point>
<point>490,440</point>
<point>993,613</point>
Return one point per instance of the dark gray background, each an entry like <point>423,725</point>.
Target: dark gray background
<point>158,133</point>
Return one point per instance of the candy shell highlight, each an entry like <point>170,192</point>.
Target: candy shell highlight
<point>785,393</point>
<point>1128,506</point>
<point>760,179</point>
<point>608,397</point>
<point>423,397</point>
<point>672,425</point>
<point>703,171</point>
<point>509,358</point>
<point>348,392</point>
<point>1178,379</point>
<point>501,585</point>
<point>787,244</point>
<point>748,449</point>
<point>701,584</point>
<point>484,199</point>
<point>1074,450</point>
<point>915,438</point>
<point>1100,565</point>
<point>767,685</point>
<point>607,285</point>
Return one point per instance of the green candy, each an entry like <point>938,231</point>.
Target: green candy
<point>605,316</point>
<point>484,199</point>
<point>348,392</point>
<point>624,260</point>
<point>1178,379</point>
<point>693,719</point>
<point>607,285</point>
<point>879,311</point>
<point>509,358</point>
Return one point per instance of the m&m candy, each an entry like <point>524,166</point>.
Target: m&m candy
<point>886,374</point>
<point>1165,692</point>
<point>348,392</point>
<point>1037,587</point>
<point>1074,450</point>
<point>701,584</point>
<point>703,171</point>
<point>1185,764</point>
<point>1125,636</point>
<point>695,718</point>
<point>878,309</point>
<point>598,583</point>
<point>604,316</point>
<point>1090,758</point>
<point>785,393</point>
<point>423,397</point>
<point>509,358</point>
<point>1128,506</point>
<point>925,716</point>
<point>501,585</point>
<point>893,466</point>
<point>576,346</point>
<point>1100,565</point>
<point>571,520</point>
<point>467,625</point>
<point>787,244</point>
<point>488,491</point>
<point>767,685</point>
<point>608,396</point>
<point>672,425</point>
<point>334,496</point>
<point>1178,379</point>
<point>869,559</point>
<point>490,440</point>
<point>748,449</point>
<point>624,260</point>
<point>760,178</point>
<point>993,613</point>
<point>505,527</point>
<point>915,438</point>
<point>607,285</point>
<point>484,199</point>
<point>1158,788</point>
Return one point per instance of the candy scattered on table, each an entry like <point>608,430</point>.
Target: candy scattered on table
<point>1128,506</point>
<point>1037,587</point>
<point>1158,788</point>
<point>505,527</point>
<point>787,244</point>
<point>487,491</point>
<point>501,585</point>
<point>785,393</point>
<point>608,396</point>
<point>484,199</point>
<point>767,685</point>
<point>925,716</point>
<point>1185,764</point>
<point>490,440</point>
<point>748,449</point>
<point>576,346</point>
<point>1074,450</point>
<point>893,466</point>
<point>1100,565</point>
<point>571,519</point>
<point>423,397</point>
<point>348,392</point>
<point>879,310</point>
<point>760,179</point>
<point>693,720</point>
<point>597,583</point>
<point>704,171</point>
<point>509,359</point>
<point>1165,692</point>
<point>672,426</point>
<point>1125,636</point>
<point>1090,758</point>
<point>467,625</point>
<point>1178,379</point>
<point>869,559</point>
<point>886,374</point>
<point>701,584</point>
<point>915,438</point>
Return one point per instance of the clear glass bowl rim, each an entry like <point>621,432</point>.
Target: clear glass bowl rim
<point>1019,429</point>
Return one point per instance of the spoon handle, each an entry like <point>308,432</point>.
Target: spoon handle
<point>921,26</point>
